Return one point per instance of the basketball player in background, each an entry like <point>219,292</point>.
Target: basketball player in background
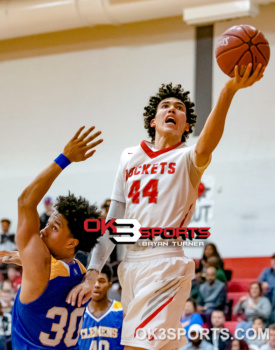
<point>102,321</point>
<point>41,317</point>
<point>157,184</point>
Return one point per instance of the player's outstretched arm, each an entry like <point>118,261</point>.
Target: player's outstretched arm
<point>83,292</point>
<point>214,126</point>
<point>33,251</point>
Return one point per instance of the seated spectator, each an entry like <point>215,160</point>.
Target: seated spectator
<point>196,282</point>
<point>253,304</point>
<point>105,208</point>
<point>272,315</point>
<point>256,332</point>
<point>15,276</point>
<point>196,340</point>
<point>218,339</point>
<point>210,250</point>
<point>216,262</point>
<point>212,295</point>
<point>5,330</point>
<point>48,202</point>
<point>6,296</point>
<point>189,316</point>
<point>267,278</point>
<point>271,343</point>
<point>237,344</point>
<point>7,239</point>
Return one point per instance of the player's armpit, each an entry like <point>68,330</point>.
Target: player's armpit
<point>201,160</point>
<point>197,167</point>
<point>36,262</point>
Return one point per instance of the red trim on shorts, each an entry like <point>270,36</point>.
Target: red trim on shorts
<point>153,154</point>
<point>148,319</point>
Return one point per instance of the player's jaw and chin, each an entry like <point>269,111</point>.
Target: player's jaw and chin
<point>100,290</point>
<point>170,121</point>
<point>97,295</point>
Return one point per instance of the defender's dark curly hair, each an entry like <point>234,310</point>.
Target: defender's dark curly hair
<point>76,211</point>
<point>164,92</point>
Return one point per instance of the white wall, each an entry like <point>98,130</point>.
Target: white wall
<point>107,82</point>
<point>244,164</point>
<point>46,99</point>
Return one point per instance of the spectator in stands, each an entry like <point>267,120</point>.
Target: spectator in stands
<point>209,251</point>
<point>15,276</point>
<point>6,296</point>
<point>237,344</point>
<point>216,262</point>
<point>271,344</point>
<point>7,239</point>
<point>267,279</point>
<point>196,282</point>
<point>5,330</point>
<point>212,295</point>
<point>7,242</point>
<point>105,208</point>
<point>48,203</point>
<point>254,335</point>
<point>253,304</point>
<point>211,254</point>
<point>219,339</point>
<point>272,315</point>
<point>196,340</point>
<point>190,316</point>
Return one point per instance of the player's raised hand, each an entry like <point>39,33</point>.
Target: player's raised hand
<point>10,257</point>
<point>83,291</point>
<point>244,80</point>
<point>80,147</point>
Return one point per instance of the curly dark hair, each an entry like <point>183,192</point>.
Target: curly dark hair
<point>76,211</point>
<point>164,92</point>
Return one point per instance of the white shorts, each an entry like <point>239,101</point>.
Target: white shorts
<point>155,286</point>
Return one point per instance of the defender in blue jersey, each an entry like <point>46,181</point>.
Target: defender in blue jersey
<point>41,317</point>
<point>102,322</point>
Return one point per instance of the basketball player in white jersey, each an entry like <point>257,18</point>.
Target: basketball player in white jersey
<point>157,184</point>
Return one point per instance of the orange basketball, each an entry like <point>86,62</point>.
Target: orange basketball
<point>241,45</point>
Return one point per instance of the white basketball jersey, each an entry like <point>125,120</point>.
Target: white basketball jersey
<point>159,188</point>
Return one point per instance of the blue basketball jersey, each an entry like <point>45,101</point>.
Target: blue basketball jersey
<point>102,333</point>
<point>49,322</point>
